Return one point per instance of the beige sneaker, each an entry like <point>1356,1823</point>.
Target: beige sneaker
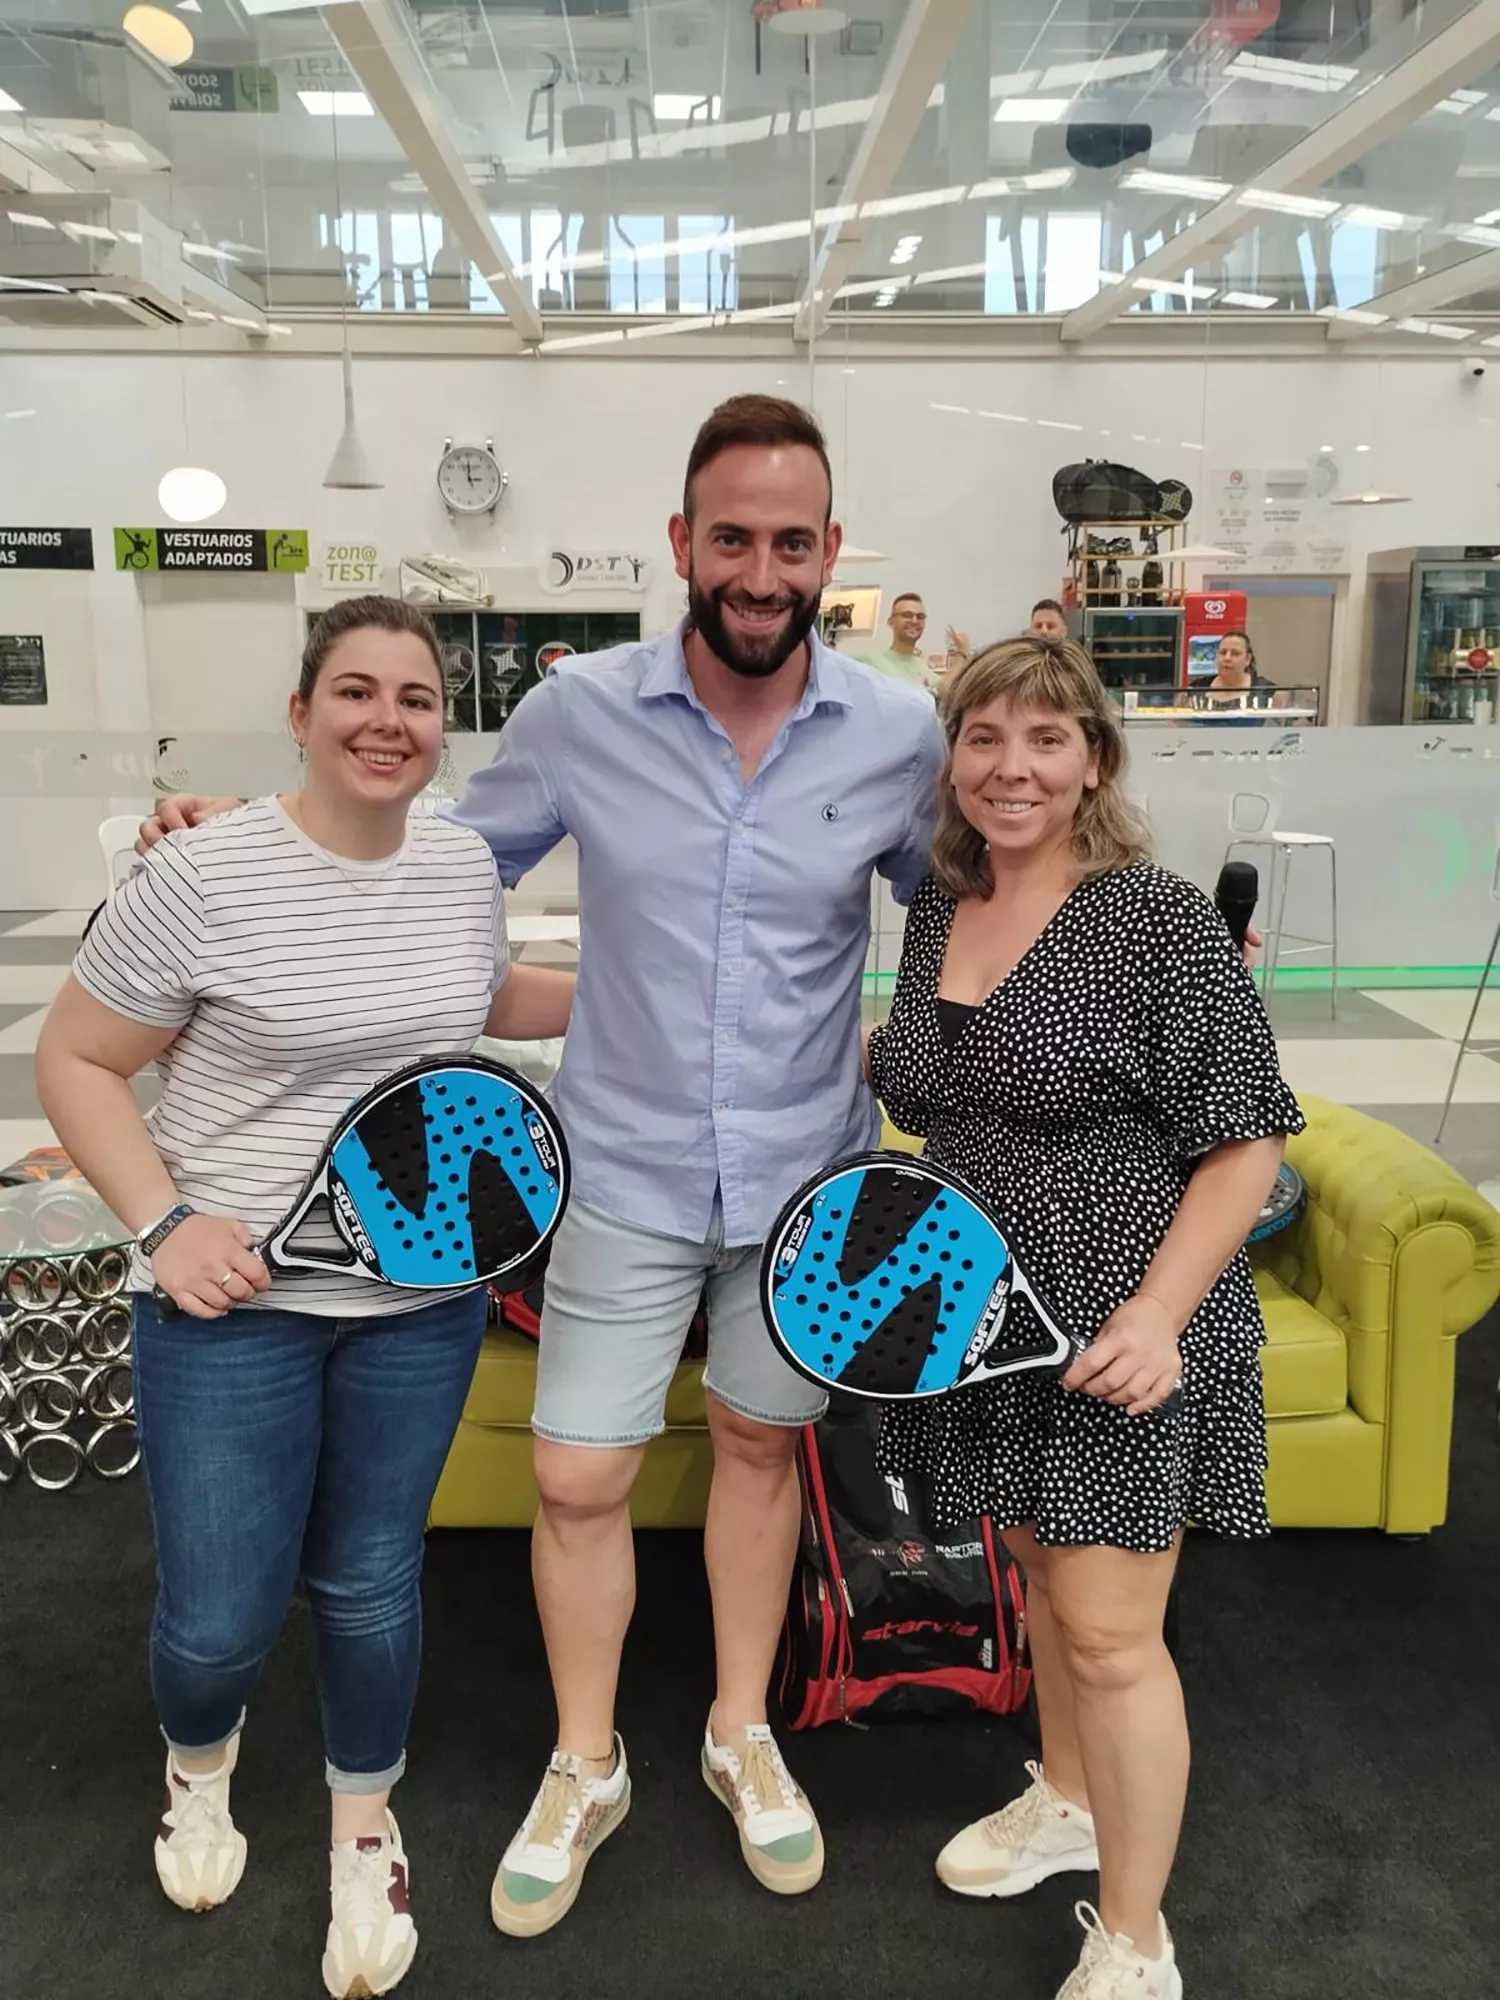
<point>1110,1968</point>
<point>200,1852</point>
<point>779,1834</point>
<point>1039,1834</point>
<point>371,1937</point>
<point>539,1877</point>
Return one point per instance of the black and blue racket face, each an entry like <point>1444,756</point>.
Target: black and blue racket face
<point>885,1277</point>
<point>454,1173</point>
<point>1282,1206</point>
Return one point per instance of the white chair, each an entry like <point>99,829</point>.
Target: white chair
<point>1487,1047</point>
<point>117,838</point>
<point>526,928</point>
<point>1253,820</point>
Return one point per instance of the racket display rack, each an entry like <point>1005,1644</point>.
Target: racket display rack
<point>492,656</point>
<point>67,1397</point>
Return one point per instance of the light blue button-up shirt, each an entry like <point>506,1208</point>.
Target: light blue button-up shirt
<point>714,1043</point>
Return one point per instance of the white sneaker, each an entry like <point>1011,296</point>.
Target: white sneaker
<point>1110,1967</point>
<point>779,1834</point>
<point>1039,1834</point>
<point>200,1852</point>
<point>371,1937</point>
<point>541,1872</point>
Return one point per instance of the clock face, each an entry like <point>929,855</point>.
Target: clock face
<point>469,479</point>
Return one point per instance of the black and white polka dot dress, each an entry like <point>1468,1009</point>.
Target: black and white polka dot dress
<point>1129,1041</point>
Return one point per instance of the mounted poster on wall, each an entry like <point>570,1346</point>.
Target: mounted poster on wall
<point>23,671</point>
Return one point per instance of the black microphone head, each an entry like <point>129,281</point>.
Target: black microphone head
<point>1239,882</point>
<point>1234,898</point>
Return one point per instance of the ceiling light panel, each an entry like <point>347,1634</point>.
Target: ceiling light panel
<point>336,103</point>
<point>1032,110</point>
<point>1286,204</point>
<point>1188,184</point>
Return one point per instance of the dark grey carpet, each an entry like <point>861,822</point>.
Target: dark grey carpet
<point>1343,1839</point>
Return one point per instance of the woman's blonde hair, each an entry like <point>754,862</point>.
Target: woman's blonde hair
<point>1108,831</point>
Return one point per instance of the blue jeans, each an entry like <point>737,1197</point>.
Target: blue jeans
<point>280,1445</point>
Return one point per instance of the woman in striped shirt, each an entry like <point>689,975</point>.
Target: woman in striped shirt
<point>276,963</point>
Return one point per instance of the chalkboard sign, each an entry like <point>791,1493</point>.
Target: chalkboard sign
<point>23,671</point>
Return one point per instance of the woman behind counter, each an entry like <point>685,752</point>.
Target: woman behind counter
<point>1074,1032</point>
<point>1238,681</point>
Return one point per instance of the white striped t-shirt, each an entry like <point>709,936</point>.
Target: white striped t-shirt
<point>299,979</point>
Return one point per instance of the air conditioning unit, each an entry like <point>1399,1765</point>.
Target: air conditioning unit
<point>110,256</point>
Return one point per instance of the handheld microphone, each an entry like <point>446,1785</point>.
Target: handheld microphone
<point>1235,897</point>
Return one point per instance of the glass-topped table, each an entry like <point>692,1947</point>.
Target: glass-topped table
<point>67,1399</point>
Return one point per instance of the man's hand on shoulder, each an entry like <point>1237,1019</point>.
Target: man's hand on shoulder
<point>175,813</point>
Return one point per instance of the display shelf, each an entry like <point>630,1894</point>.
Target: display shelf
<point>493,655</point>
<point>1087,595</point>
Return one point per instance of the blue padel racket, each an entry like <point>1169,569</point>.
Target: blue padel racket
<point>446,1173</point>
<point>1282,1206</point>
<point>885,1276</point>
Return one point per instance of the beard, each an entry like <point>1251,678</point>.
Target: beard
<point>755,658</point>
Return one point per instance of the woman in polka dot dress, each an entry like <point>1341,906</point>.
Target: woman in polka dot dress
<point>1075,1034</point>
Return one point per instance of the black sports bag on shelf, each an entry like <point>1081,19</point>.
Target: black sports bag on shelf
<point>1096,490</point>
<point>888,1618</point>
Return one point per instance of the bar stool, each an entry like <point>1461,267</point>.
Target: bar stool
<point>1253,823</point>
<point>1488,1046</point>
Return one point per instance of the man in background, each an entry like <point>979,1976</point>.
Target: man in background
<point>1048,620</point>
<point>903,659</point>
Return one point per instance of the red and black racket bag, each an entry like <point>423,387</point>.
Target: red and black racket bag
<point>887,1617</point>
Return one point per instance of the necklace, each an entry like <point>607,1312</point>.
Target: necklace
<point>365,877</point>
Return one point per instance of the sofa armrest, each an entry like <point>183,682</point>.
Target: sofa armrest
<point>1402,1255</point>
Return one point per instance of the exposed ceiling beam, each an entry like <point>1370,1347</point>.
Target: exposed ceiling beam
<point>1451,59</point>
<point>1463,280</point>
<point>374,39</point>
<point>923,49</point>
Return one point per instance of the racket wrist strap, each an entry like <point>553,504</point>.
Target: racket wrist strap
<point>150,1239</point>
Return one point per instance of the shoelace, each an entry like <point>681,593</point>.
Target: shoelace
<point>1014,1825</point>
<point>362,1884</point>
<point>763,1776</point>
<point>1109,1969</point>
<point>558,1809</point>
<point>199,1818</point>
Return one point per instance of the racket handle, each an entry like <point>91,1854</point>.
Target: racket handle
<point>168,1308</point>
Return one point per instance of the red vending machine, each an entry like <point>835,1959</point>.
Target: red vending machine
<point>1205,620</point>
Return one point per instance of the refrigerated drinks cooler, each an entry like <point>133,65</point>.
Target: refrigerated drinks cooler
<point>1432,635</point>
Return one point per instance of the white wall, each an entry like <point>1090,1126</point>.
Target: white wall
<point>595,450</point>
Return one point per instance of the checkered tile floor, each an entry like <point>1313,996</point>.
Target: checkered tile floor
<point>1389,1052</point>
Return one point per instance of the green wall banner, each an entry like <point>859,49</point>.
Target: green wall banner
<point>226,90</point>
<point>280,549</point>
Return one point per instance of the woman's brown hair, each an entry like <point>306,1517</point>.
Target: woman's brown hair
<point>1108,831</point>
<point>364,614</point>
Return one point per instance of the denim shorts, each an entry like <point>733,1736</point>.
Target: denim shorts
<point>619,1302</point>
